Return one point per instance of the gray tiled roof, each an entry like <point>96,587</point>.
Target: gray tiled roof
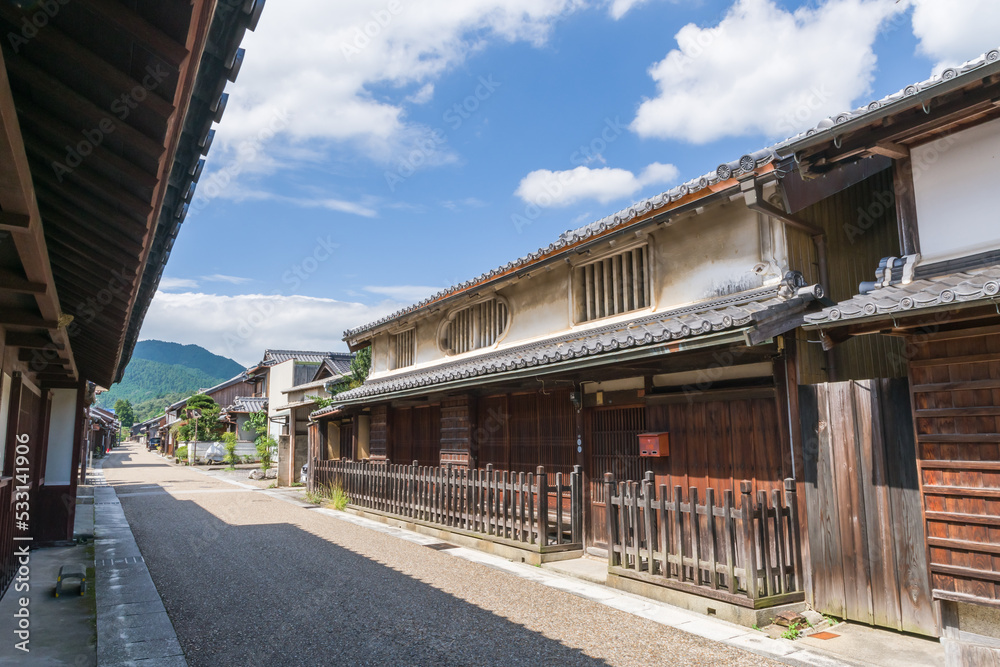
<point>968,68</point>
<point>736,311</point>
<point>248,404</point>
<point>272,357</point>
<point>899,299</point>
<point>723,172</point>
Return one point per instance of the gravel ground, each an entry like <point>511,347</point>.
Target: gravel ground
<point>250,580</point>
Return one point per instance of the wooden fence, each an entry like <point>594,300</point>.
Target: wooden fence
<point>523,508</point>
<point>747,555</point>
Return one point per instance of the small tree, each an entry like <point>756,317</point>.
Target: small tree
<point>229,442</point>
<point>125,413</point>
<point>361,366</point>
<point>265,444</point>
<point>207,427</point>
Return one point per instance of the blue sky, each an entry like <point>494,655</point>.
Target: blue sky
<point>355,173</point>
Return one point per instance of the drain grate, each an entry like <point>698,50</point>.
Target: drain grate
<point>441,546</point>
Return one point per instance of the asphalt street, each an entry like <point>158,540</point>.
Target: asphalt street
<point>250,580</point>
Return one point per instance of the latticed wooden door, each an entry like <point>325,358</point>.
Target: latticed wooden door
<point>614,447</point>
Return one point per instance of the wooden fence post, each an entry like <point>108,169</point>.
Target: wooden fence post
<point>576,504</point>
<point>543,506</point>
<point>750,552</point>
<point>649,524</point>
<point>793,534</point>
<point>609,492</point>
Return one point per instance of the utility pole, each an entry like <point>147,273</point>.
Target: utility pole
<point>194,443</point>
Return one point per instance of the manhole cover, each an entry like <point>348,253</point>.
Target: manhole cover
<point>441,546</point>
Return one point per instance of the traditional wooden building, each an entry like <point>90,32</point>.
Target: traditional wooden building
<point>935,298</point>
<point>106,110</point>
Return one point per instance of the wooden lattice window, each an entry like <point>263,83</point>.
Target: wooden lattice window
<point>612,285</point>
<point>474,327</point>
<point>403,349</point>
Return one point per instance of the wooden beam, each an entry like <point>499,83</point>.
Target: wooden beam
<point>31,340</point>
<point>42,358</point>
<point>57,226</point>
<point>88,112</point>
<point>40,123</point>
<point>15,223</point>
<point>54,41</point>
<point>891,149</point>
<point>906,206</point>
<point>25,318</point>
<point>84,223</point>
<point>139,29</point>
<point>12,282</point>
<point>71,194</point>
<point>100,186</point>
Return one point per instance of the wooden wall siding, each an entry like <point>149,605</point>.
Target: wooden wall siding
<point>717,444</point>
<point>861,229</point>
<point>612,436</point>
<point>226,397</point>
<point>490,442</point>
<point>520,432</point>
<point>347,440</point>
<point>956,397</point>
<point>866,538</point>
<point>378,432</point>
<point>456,430</point>
<point>416,435</point>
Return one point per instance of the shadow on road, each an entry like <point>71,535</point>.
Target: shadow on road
<point>274,594</point>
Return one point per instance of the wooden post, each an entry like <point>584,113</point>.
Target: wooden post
<point>664,531</point>
<point>650,523</point>
<point>765,543</point>
<point>695,533</point>
<point>559,513</point>
<point>710,517</point>
<point>532,539</point>
<point>727,523</point>
<point>543,506</point>
<point>779,540</point>
<point>750,552</point>
<point>488,500</point>
<point>576,504</point>
<point>793,536</point>
<point>609,492</point>
<point>679,533</point>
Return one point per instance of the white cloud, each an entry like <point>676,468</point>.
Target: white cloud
<point>619,8</point>
<point>320,61</point>
<point>409,294</point>
<point>242,327</point>
<point>365,210</point>
<point>422,96</point>
<point>177,283</point>
<point>764,70</point>
<point>464,203</point>
<point>547,188</point>
<point>952,32</point>
<point>222,278</point>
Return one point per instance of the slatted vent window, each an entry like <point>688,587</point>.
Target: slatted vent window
<point>403,347</point>
<point>613,285</point>
<point>476,327</point>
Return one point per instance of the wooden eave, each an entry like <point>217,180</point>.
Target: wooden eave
<point>95,106</point>
<point>894,133</point>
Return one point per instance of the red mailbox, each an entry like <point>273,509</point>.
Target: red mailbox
<point>654,444</point>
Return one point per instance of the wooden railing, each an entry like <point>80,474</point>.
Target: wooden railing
<point>523,508</point>
<point>747,555</point>
<point>8,561</point>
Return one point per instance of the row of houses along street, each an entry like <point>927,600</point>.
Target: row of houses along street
<point>771,391</point>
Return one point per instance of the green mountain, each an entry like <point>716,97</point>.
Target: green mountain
<point>191,356</point>
<point>161,373</point>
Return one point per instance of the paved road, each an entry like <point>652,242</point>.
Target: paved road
<point>250,580</point>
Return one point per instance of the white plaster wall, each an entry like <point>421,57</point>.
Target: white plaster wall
<point>539,305</point>
<point>280,376</point>
<point>706,256</point>
<point>62,425</point>
<point>954,187</point>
